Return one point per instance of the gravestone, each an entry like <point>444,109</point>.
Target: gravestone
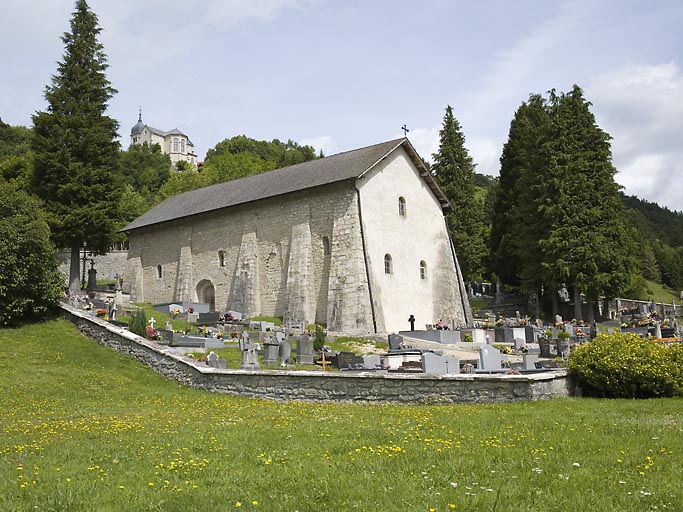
<point>166,336</point>
<point>280,336</point>
<point>489,358</point>
<point>304,349</point>
<point>440,365</point>
<point>271,349</point>
<point>236,315</point>
<point>519,343</point>
<point>529,361</point>
<point>266,326</point>
<point>249,353</point>
<point>468,368</point>
<point>372,361</point>
<point>563,347</point>
<point>285,352</point>
<point>216,362</point>
<point>348,360</point>
<point>395,342</point>
<point>211,317</point>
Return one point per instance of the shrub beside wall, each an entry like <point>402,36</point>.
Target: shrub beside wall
<point>624,365</point>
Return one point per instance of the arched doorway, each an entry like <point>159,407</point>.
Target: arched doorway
<point>206,294</point>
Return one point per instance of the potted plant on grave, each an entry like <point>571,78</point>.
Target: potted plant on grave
<point>563,342</point>
<point>544,343</point>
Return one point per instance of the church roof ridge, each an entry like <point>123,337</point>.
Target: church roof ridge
<point>343,166</point>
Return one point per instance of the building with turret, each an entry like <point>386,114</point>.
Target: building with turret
<point>173,143</point>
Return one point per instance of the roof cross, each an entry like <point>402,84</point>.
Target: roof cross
<point>405,130</point>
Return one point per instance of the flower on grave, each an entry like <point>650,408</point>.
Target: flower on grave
<point>234,334</point>
<point>500,322</point>
<point>100,312</point>
<point>579,332</point>
<point>190,310</point>
<point>219,335</point>
<point>175,313</point>
<point>152,334</point>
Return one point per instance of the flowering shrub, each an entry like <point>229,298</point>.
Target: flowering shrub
<point>624,365</point>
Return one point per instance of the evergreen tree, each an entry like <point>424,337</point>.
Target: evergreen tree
<point>516,222</point>
<point>453,169</point>
<point>76,151</point>
<point>585,243</point>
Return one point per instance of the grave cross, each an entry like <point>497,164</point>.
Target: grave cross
<point>405,130</point>
<point>151,322</point>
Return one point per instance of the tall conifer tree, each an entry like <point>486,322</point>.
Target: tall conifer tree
<point>453,169</point>
<point>516,224</point>
<point>585,244</point>
<point>75,146</point>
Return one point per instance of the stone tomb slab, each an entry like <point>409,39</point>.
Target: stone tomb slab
<point>440,365</point>
<point>489,358</point>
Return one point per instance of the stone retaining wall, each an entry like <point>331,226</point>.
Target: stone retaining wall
<point>324,386</point>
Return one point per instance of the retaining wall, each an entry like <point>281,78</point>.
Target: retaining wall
<point>324,386</point>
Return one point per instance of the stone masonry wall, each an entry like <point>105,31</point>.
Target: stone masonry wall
<point>108,265</point>
<point>323,386</point>
<point>297,256</point>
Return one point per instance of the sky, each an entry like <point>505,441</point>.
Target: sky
<point>344,74</point>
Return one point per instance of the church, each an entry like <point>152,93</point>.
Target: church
<point>356,242</point>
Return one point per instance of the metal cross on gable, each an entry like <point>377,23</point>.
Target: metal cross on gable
<point>405,130</point>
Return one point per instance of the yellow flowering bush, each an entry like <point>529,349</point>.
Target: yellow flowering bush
<point>624,365</point>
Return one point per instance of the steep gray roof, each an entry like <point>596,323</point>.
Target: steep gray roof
<point>314,173</point>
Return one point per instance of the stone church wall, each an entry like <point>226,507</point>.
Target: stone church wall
<point>298,256</point>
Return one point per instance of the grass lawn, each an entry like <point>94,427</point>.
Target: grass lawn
<point>660,293</point>
<point>84,428</point>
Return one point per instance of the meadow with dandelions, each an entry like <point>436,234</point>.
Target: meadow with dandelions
<point>85,428</point>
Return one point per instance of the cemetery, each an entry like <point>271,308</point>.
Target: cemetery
<point>493,359</point>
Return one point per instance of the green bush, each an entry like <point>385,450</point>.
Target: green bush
<point>319,340</point>
<point>30,282</point>
<point>138,323</point>
<point>624,365</point>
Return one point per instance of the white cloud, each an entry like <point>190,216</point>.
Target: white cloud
<point>641,106</point>
<point>324,143</point>
<point>425,141</point>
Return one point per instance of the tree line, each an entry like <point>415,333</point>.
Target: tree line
<point>555,216</point>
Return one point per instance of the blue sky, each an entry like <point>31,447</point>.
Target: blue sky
<point>346,74</point>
